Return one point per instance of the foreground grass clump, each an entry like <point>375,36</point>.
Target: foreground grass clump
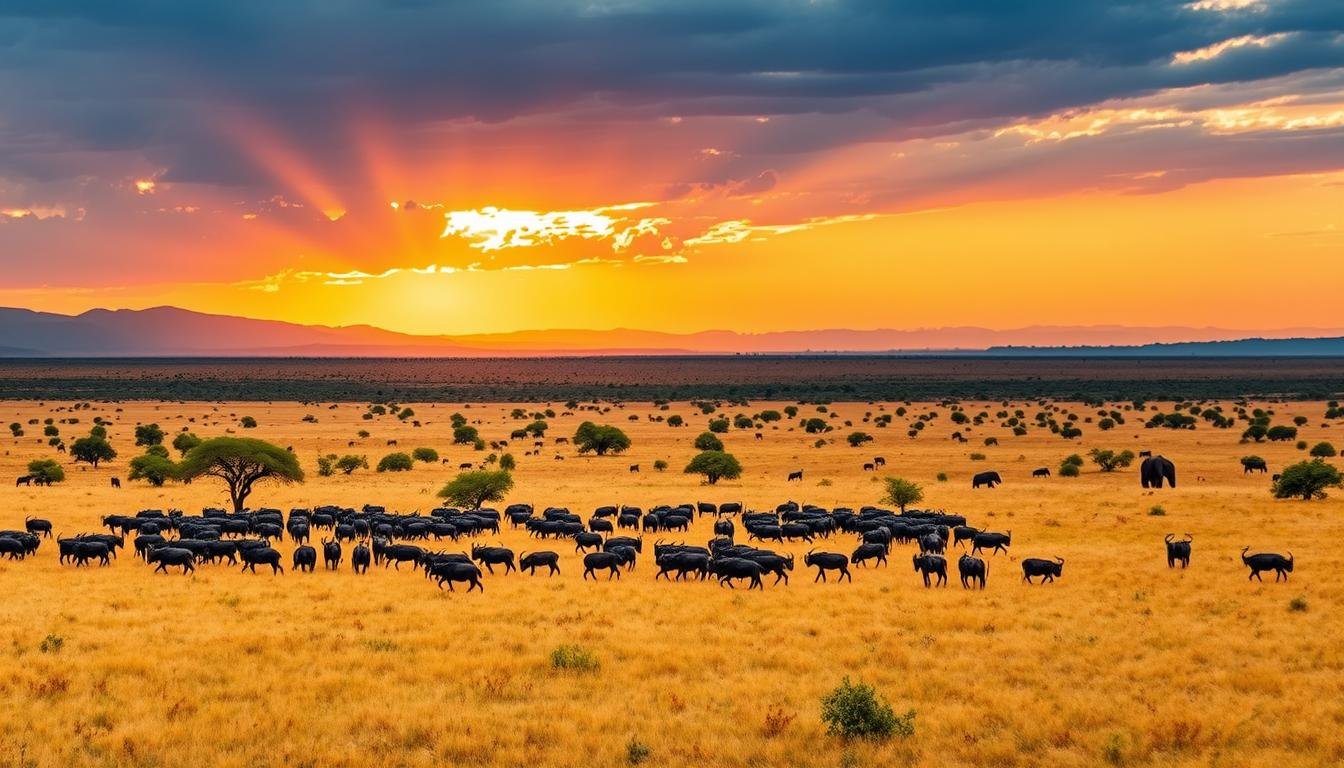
<point>636,751</point>
<point>574,658</point>
<point>855,711</point>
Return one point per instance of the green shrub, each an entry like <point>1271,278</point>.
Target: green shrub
<point>854,710</point>
<point>395,462</point>
<point>1298,604</point>
<point>574,658</point>
<point>636,751</point>
<point>1069,470</point>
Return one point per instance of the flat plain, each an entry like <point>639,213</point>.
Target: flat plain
<point>1122,661</point>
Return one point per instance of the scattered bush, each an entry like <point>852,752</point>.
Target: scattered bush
<point>574,658</point>
<point>708,441</point>
<point>426,455</point>
<point>395,462</point>
<point>1306,479</point>
<point>854,710</point>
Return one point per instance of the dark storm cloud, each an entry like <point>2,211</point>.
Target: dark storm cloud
<point>152,76</point>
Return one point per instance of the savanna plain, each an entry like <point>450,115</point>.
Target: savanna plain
<point>1121,661</point>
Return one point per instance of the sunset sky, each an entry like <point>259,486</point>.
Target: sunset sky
<point>519,164</point>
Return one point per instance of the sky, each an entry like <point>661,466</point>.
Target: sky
<point>681,165</point>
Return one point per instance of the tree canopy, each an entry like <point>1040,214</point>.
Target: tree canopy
<point>395,462</point>
<point>92,450</point>
<point>241,462</point>
<point>600,439</point>
<point>472,489</point>
<point>185,441</point>
<point>902,492</point>
<point>708,441</point>
<point>1307,480</point>
<point>714,465</point>
<point>1109,460</point>
<point>153,468</point>
<point>46,471</point>
<point>148,434</point>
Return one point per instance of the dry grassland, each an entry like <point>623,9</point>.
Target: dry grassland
<point>1121,662</point>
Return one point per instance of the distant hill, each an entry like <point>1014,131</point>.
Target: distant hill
<point>174,332</point>
<point>1295,347</point>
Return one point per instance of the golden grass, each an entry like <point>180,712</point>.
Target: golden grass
<point>1121,662</point>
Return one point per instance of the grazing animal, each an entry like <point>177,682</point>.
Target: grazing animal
<point>360,558</point>
<point>828,561</point>
<point>990,479</point>
<point>305,558</point>
<point>994,542</point>
<point>447,573</point>
<point>1145,454</point>
<point>1178,550</point>
<point>869,467</point>
<point>759,436</point>
<point>1265,561</point>
<point>331,554</point>
<point>36,525</point>
<point>869,551</point>
<point>1155,469</point>
<point>634,467</point>
<point>1253,464</point>
<point>263,555</point>
<point>1041,472</point>
<point>172,556</point>
<point>972,569</point>
<point>879,461</point>
<point>391,442</point>
<point>531,562</point>
<point>492,556</point>
<point>795,476</point>
<point>23,480</point>
<point>729,568</point>
<point>116,482</point>
<point>931,565</point>
<point>595,561</point>
<point>1048,570</point>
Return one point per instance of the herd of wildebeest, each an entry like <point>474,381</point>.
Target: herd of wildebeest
<point>378,537</point>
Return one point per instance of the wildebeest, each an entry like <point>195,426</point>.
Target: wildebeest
<point>531,562</point>
<point>963,533</point>
<point>990,479</point>
<point>1145,454</point>
<point>305,558</point>
<point>879,461</point>
<point>331,554</point>
<point>994,542</point>
<point>1154,469</point>
<point>724,528</point>
<point>931,565</point>
<point>1041,472</point>
<point>360,558</point>
<point>23,480</point>
<point>36,525</point>
<point>972,569</point>
<point>1048,570</point>
<point>584,540</point>
<point>116,482</point>
<point>594,561</point>
<point>869,551</point>
<point>795,476</point>
<point>729,568</point>
<point>1253,464</point>
<point>172,556</point>
<point>828,561</point>
<point>492,556</point>
<point>634,467</point>
<point>447,573</point>
<point>1178,550</point>
<point>264,555</point>
<point>1266,561</point>
<point>869,467</point>
<point>683,563</point>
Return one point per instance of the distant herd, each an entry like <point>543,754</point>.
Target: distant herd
<point>375,536</point>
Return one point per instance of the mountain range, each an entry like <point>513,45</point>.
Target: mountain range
<point>174,332</point>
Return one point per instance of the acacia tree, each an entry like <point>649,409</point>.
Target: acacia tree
<point>714,465</point>
<point>1306,480</point>
<point>902,492</point>
<point>600,439</point>
<point>241,462</point>
<point>472,489</point>
<point>92,449</point>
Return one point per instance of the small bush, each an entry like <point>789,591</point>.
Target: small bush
<point>54,643</point>
<point>1069,470</point>
<point>395,462</point>
<point>636,751</point>
<point>777,721</point>
<point>574,658</point>
<point>854,710</point>
<point>1157,511</point>
<point>977,457</point>
<point>1298,604</point>
<point>942,477</point>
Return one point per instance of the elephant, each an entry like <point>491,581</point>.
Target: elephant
<point>1154,469</point>
<point>990,479</point>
